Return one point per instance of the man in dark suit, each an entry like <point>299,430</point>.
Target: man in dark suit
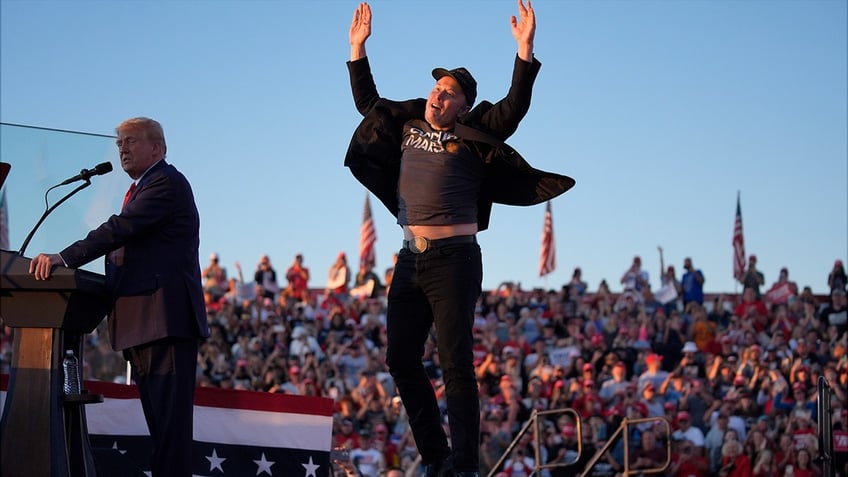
<point>153,273</point>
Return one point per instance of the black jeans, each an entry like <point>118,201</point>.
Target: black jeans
<point>440,286</point>
<point>164,372</point>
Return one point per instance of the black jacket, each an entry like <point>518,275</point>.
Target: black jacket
<point>375,149</point>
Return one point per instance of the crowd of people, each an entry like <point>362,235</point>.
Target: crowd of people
<point>725,383</point>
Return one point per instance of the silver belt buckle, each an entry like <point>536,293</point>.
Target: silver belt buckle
<point>419,244</point>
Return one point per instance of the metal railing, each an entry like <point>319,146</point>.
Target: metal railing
<point>534,424</point>
<point>623,431</point>
<point>823,411</point>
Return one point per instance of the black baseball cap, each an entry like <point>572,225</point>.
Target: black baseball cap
<point>465,80</point>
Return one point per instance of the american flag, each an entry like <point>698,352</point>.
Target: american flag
<point>367,238</point>
<point>738,242</point>
<point>547,260</point>
<point>236,433</point>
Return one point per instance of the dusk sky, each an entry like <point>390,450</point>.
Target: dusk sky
<point>661,110</point>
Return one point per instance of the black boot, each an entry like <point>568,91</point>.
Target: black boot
<point>467,474</point>
<point>440,469</point>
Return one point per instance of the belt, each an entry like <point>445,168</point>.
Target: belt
<point>420,244</point>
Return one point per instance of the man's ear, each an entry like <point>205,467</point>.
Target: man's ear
<point>163,151</point>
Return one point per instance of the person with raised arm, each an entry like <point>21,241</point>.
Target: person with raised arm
<point>438,164</point>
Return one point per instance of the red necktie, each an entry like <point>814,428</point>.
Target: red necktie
<point>127,196</point>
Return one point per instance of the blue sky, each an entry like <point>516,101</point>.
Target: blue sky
<point>661,110</point>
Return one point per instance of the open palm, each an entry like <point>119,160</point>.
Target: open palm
<point>524,27</point>
<point>360,27</point>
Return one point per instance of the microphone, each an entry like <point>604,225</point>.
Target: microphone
<point>85,174</point>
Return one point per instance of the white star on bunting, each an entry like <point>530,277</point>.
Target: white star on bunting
<point>264,465</point>
<point>115,446</point>
<point>215,461</point>
<point>310,468</point>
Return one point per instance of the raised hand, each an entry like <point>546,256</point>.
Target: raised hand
<point>360,30</point>
<point>524,30</point>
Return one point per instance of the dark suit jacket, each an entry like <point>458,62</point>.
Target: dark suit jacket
<point>154,274</point>
<point>375,149</point>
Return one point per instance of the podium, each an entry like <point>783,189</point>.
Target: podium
<point>43,432</point>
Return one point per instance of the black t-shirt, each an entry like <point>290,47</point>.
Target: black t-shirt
<point>440,177</point>
<point>836,317</point>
